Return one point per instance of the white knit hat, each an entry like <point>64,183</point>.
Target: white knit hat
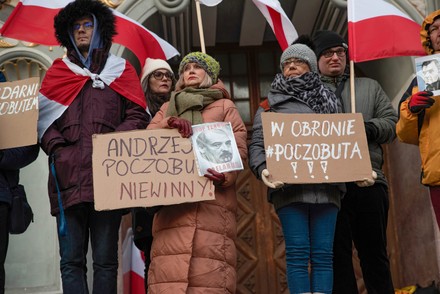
<point>152,65</point>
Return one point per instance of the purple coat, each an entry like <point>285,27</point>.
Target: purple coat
<point>69,138</point>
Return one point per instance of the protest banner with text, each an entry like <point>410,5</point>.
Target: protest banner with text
<point>316,148</point>
<point>19,113</point>
<point>146,168</point>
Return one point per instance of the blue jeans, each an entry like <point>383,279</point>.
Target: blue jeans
<point>103,228</point>
<point>308,232</point>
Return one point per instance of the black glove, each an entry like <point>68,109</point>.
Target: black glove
<point>420,101</point>
<point>371,131</point>
<point>183,125</point>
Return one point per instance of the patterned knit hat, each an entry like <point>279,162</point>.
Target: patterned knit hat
<point>302,52</point>
<point>324,40</point>
<point>209,64</point>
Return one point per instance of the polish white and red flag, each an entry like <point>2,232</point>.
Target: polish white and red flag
<point>133,264</point>
<point>281,25</point>
<point>32,21</point>
<point>378,29</point>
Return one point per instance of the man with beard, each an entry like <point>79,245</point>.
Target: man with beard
<point>90,91</point>
<point>215,146</point>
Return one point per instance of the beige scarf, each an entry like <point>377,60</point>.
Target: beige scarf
<point>189,103</point>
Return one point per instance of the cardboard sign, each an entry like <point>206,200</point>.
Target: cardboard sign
<point>316,148</point>
<point>146,168</point>
<point>215,147</point>
<point>19,113</point>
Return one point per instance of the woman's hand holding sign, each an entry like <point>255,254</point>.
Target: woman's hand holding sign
<point>367,182</point>
<point>265,177</point>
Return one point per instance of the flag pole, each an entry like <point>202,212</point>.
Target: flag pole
<point>352,90</point>
<point>199,21</point>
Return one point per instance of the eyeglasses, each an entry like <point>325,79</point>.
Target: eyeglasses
<point>297,62</point>
<point>339,52</point>
<point>158,75</point>
<point>87,26</point>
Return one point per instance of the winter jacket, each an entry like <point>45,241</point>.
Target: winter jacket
<point>193,243</point>
<point>306,193</point>
<point>376,108</point>
<point>11,161</point>
<point>428,123</point>
<point>68,140</point>
<point>423,128</point>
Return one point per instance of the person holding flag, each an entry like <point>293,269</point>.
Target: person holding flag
<point>90,91</point>
<point>420,117</point>
<point>363,217</point>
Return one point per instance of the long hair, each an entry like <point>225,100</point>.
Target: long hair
<point>154,100</point>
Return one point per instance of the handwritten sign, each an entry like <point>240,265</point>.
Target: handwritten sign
<point>146,168</point>
<point>19,113</point>
<point>311,148</point>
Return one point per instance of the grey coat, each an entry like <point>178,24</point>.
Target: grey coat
<point>306,193</point>
<point>375,107</point>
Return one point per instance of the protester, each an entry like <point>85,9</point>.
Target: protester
<point>88,92</point>
<point>11,161</point>
<point>420,117</point>
<point>364,209</point>
<point>307,212</point>
<point>157,83</point>
<point>193,246</point>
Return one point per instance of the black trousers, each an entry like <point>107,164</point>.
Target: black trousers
<point>4,240</point>
<point>362,220</point>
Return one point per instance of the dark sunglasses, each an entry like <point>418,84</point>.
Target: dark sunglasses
<point>158,75</point>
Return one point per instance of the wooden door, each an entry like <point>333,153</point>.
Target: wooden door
<point>260,245</point>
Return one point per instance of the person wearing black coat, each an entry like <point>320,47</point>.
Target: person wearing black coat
<point>11,161</point>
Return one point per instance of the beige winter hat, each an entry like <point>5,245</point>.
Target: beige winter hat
<point>152,65</point>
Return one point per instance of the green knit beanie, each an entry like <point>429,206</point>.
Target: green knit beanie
<point>209,64</point>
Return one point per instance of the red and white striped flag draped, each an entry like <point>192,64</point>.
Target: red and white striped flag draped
<point>281,25</point>
<point>377,29</point>
<point>53,100</point>
<point>32,21</point>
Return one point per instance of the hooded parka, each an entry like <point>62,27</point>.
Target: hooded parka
<point>193,249</point>
<point>423,128</point>
<point>68,140</point>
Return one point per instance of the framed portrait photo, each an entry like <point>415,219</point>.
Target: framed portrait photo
<point>428,73</point>
<point>215,147</point>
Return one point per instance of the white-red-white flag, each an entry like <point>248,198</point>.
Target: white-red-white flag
<point>210,2</point>
<point>133,264</point>
<point>32,21</point>
<point>281,25</point>
<point>378,29</point>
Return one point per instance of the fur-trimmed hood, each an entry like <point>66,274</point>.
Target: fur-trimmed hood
<point>64,20</point>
